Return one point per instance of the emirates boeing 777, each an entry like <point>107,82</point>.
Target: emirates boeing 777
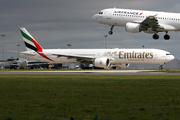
<point>101,58</point>
<point>136,21</point>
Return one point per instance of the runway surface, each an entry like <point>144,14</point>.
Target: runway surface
<point>89,72</point>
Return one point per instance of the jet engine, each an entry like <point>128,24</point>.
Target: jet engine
<point>134,27</point>
<point>122,65</point>
<point>101,62</point>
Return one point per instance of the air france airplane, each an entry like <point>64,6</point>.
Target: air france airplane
<point>136,21</point>
<point>101,58</point>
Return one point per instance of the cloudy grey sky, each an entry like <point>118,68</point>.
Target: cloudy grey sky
<point>55,23</point>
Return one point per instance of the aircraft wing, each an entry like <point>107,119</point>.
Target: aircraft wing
<point>80,58</point>
<point>150,22</point>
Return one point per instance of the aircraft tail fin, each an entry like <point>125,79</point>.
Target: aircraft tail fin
<point>30,43</point>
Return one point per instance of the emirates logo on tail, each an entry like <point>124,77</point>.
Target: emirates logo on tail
<point>32,44</point>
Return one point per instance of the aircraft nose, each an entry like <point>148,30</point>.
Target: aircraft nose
<point>172,57</point>
<point>95,17</point>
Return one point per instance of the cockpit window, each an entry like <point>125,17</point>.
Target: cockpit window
<point>101,13</point>
<point>168,53</point>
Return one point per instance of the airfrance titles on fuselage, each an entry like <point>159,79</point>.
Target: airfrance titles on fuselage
<point>127,12</point>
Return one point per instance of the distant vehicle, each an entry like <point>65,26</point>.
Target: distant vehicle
<point>19,64</point>
<point>101,58</point>
<point>136,21</point>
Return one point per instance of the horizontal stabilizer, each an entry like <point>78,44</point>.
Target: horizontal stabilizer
<point>23,53</point>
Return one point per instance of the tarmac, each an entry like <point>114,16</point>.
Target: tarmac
<point>90,72</point>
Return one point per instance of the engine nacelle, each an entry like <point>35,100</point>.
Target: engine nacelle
<point>122,65</point>
<point>134,28</point>
<point>101,62</point>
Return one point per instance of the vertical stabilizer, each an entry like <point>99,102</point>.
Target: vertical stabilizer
<point>30,42</point>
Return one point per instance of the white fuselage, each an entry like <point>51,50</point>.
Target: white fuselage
<point>120,17</point>
<point>101,58</point>
<point>117,56</point>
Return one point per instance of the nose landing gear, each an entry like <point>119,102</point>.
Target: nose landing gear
<point>161,66</point>
<point>111,30</point>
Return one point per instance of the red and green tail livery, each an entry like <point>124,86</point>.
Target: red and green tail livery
<point>32,44</point>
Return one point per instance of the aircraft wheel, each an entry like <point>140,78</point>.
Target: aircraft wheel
<point>166,37</point>
<point>155,36</point>
<point>161,67</point>
<point>110,32</point>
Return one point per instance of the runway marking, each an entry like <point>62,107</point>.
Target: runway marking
<point>93,71</point>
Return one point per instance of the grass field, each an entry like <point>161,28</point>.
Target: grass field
<point>83,97</point>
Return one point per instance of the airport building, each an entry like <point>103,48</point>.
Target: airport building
<point>174,64</point>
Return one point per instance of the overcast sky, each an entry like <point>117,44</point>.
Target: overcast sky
<point>56,23</point>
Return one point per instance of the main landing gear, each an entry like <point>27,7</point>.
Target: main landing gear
<point>155,36</point>
<point>111,30</point>
<point>161,66</point>
<point>166,36</point>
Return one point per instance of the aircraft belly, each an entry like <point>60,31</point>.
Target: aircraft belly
<point>118,21</point>
<point>176,25</point>
<point>137,61</point>
<point>64,60</point>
